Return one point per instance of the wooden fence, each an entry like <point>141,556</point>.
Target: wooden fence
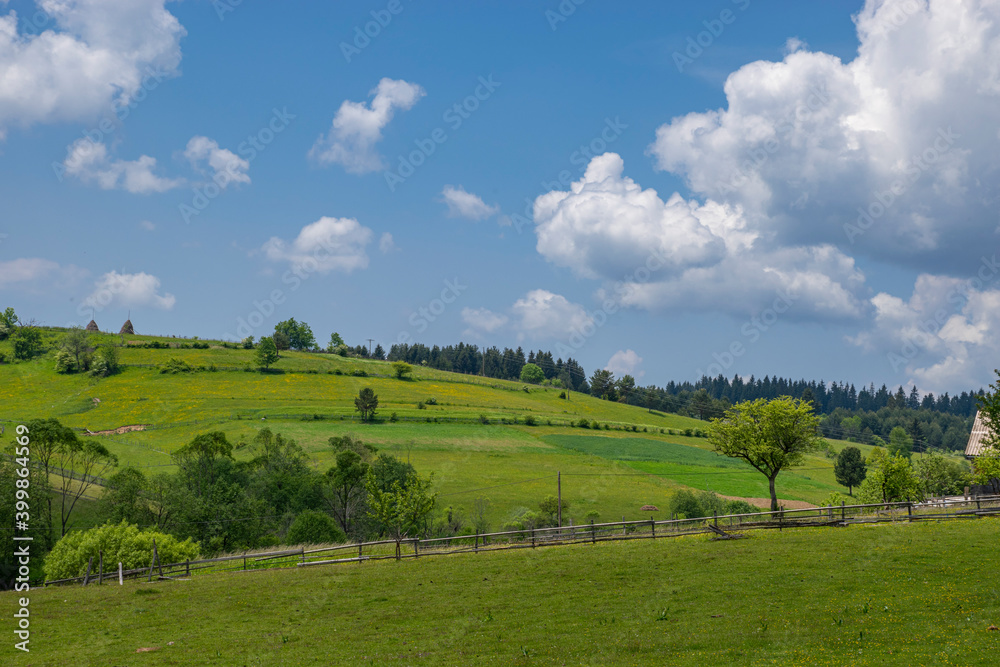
<point>729,526</point>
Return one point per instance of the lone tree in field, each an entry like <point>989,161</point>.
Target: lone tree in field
<point>401,369</point>
<point>532,374</point>
<point>769,435</point>
<point>849,468</point>
<point>401,509</point>
<point>267,353</point>
<point>366,403</point>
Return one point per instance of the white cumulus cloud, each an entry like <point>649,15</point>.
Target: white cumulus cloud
<point>658,254</point>
<point>357,127</point>
<point>946,335</point>
<point>128,289</point>
<point>91,55</point>
<point>543,314</point>
<point>329,244</point>
<point>226,166</point>
<point>625,362</point>
<point>893,154</point>
<point>386,244</point>
<point>89,161</point>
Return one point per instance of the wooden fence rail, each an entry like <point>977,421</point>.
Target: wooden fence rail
<point>532,538</point>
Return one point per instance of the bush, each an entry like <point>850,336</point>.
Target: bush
<point>122,543</point>
<point>394,418</point>
<point>359,373</point>
<point>431,401</point>
<point>312,527</point>
<point>687,432</point>
<point>530,420</point>
<point>584,423</point>
<point>741,507</point>
<point>421,406</point>
<point>483,419</point>
<point>562,394</point>
<point>174,366</point>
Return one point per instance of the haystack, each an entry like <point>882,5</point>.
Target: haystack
<point>92,326</point>
<point>127,328</point>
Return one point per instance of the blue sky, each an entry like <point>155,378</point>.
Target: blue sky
<point>664,189</point>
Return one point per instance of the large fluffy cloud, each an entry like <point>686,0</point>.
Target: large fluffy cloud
<point>894,153</point>
<point>682,254</point>
<point>357,127</point>
<point>329,244</point>
<point>543,314</point>
<point>84,57</point>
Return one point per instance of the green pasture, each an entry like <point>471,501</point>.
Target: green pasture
<point>863,595</point>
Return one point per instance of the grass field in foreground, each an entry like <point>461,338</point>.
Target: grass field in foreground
<point>863,595</point>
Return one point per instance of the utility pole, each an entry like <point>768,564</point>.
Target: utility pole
<point>370,341</point>
<point>559,498</point>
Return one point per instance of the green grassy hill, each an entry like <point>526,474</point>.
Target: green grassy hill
<point>635,459</point>
<point>863,595</point>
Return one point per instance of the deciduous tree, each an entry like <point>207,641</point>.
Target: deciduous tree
<point>769,435</point>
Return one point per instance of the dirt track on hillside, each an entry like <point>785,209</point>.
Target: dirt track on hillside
<point>120,430</point>
<point>765,503</point>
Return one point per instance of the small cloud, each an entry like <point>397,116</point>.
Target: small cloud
<point>128,289</point>
<point>226,166</point>
<point>147,225</point>
<point>329,244</point>
<point>357,127</point>
<point>625,362</point>
<point>386,244</point>
<point>543,314</point>
<point>89,161</point>
<point>482,320</point>
<point>794,44</point>
<point>462,204</point>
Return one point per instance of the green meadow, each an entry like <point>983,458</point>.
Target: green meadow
<point>862,595</point>
<point>471,432</point>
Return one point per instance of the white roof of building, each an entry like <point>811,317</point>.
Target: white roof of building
<point>979,432</point>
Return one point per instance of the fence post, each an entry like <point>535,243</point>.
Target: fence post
<point>652,528</point>
<point>623,524</point>
<point>100,568</point>
<point>187,568</point>
<point>86,577</point>
<point>781,518</point>
<point>843,512</point>
<point>359,552</point>
<point>715,513</point>
<point>416,547</point>
<point>532,538</point>
<point>593,536</point>
<point>303,555</point>
<point>476,547</point>
<point>121,579</point>
<point>909,511</point>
